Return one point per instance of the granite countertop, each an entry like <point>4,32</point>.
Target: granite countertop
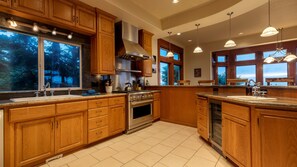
<point>276,103</point>
<point>223,86</point>
<point>10,103</point>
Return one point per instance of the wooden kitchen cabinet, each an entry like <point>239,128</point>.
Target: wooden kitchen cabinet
<point>275,138</point>
<point>156,106</point>
<point>103,46</point>
<point>35,7</point>
<point>69,132</point>
<point>34,140</point>
<point>236,133</point>
<point>202,117</point>
<point>145,40</point>
<point>116,119</point>
<point>67,12</point>
<point>62,11</point>
<point>6,3</point>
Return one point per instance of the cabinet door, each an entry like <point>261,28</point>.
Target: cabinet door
<point>105,24</point>
<point>116,119</point>
<point>278,138</point>
<point>86,19</point>
<point>236,140</point>
<point>62,11</point>
<point>6,3</point>
<point>36,7</point>
<point>156,111</point>
<point>34,141</point>
<point>106,54</point>
<point>69,131</point>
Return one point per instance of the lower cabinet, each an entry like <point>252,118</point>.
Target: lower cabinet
<point>116,117</point>
<point>236,133</point>
<point>69,132</point>
<point>202,117</point>
<point>34,140</point>
<point>275,138</point>
<point>156,106</point>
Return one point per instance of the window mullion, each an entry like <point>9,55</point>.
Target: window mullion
<point>41,63</point>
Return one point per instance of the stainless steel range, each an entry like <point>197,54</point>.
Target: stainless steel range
<point>140,110</point>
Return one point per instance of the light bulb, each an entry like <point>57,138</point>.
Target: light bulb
<point>230,43</point>
<point>175,1</point>
<point>269,31</point>
<point>12,23</point>
<point>54,32</point>
<point>35,27</point>
<point>290,57</point>
<point>169,54</point>
<point>69,36</point>
<point>269,59</point>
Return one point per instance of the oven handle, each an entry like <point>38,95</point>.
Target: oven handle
<point>141,102</point>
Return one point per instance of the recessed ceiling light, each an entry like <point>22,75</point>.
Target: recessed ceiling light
<point>175,1</point>
<point>178,33</point>
<point>241,33</point>
<point>35,27</point>
<point>189,40</point>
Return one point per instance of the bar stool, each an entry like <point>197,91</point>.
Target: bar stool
<point>234,81</point>
<point>212,82</point>
<point>184,82</point>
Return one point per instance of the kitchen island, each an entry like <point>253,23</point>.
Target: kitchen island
<point>255,131</point>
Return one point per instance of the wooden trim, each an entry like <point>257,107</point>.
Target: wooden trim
<point>171,62</point>
<point>231,64</point>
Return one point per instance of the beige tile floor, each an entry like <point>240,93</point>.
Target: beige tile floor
<point>160,145</point>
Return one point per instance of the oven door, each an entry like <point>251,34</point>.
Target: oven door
<point>141,112</point>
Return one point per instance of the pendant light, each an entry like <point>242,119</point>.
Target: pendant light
<point>269,31</point>
<point>230,43</point>
<point>169,54</point>
<point>197,49</point>
<point>280,51</point>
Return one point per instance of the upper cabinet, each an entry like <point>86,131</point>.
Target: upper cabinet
<point>63,11</point>
<point>36,7</point>
<point>5,3</point>
<point>102,45</point>
<point>69,13</point>
<point>145,40</point>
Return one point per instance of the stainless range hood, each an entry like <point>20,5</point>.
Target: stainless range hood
<point>126,42</point>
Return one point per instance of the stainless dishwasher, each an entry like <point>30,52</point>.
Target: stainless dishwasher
<point>1,138</point>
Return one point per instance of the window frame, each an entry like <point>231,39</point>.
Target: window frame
<point>41,64</point>
<point>290,46</point>
<point>40,61</point>
<point>170,60</point>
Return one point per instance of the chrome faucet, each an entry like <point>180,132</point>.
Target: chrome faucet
<point>47,85</point>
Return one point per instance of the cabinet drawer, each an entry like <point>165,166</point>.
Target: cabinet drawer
<point>97,122</point>
<point>29,113</point>
<point>202,120</point>
<point>71,107</point>
<point>116,101</point>
<point>202,130</point>
<point>98,103</point>
<point>97,112</point>
<point>97,134</point>
<point>156,96</point>
<point>241,112</point>
<point>201,103</point>
<point>203,110</point>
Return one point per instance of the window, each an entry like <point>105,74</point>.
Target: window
<point>222,75</point>
<point>221,59</point>
<point>277,54</point>
<point>175,56</point>
<point>176,74</point>
<point>61,64</point>
<point>278,70</point>
<point>163,52</point>
<point>164,74</point>
<point>20,59</point>
<point>246,72</point>
<point>245,57</point>
<point>171,68</point>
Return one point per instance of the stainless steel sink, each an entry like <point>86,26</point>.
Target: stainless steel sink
<point>252,98</point>
<point>24,99</point>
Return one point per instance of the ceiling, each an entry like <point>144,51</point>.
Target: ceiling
<point>161,16</point>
